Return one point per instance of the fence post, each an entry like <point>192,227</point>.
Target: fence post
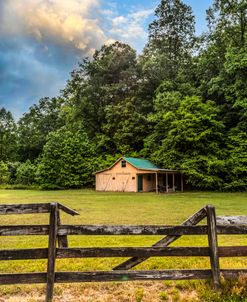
<point>62,239</point>
<point>51,251</point>
<point>213,246</point>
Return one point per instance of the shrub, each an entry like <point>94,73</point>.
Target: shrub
<point>4,173</point>
<point>67,161</point>
<point>26,173</point>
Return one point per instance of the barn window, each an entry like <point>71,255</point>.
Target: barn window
<point>123,163</point>
<point>113,178</point>
<point>133,177</point>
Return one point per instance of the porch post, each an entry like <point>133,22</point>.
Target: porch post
<point>182,182</point>
<point>173,182</point>
<point>156,183</point>
<point>166,183</point>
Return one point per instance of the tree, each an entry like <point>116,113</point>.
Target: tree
<point>236,161</point>
<point>187,136</point>
<point>7,136</point>
<point>109,78</point>
<point>171,37</point>
<point>230,18</point>
<point>168,53</point>
<point>126,126</point>
<point>67,160</point>
<point>35,125</point>
<point>235,86</point>
<point>224,49</point>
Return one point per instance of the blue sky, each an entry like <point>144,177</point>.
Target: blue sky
<point>42,41</point>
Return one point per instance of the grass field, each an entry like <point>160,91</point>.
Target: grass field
<point>122,208</point>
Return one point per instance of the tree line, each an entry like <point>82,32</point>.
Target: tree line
<point>182,103</point>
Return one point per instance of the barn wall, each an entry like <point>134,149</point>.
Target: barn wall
<point>149,182</point>
<point>117,179</point>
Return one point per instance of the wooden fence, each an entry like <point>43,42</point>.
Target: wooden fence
<point>57,233</point>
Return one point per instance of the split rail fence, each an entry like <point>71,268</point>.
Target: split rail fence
<point>58,247</point>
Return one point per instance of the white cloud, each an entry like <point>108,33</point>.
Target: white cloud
<point>139,15</point>
<point>74,22</point>
<point>131,28</point>
<point>119,21</point>
<point>84,25</point>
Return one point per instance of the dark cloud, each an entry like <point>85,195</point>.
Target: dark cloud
<point>29,71</point>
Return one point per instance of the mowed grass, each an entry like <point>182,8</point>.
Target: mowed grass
<point>120,208</point>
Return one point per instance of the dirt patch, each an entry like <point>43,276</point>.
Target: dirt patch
<point>103,292</point>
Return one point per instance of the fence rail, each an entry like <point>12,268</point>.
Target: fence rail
<point>61,253</point>
<point>64,230</point>
<point>57,233</point>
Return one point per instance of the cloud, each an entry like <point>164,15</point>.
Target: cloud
<point>41,42</point>
<point>119,21</point>
<point>131,28</point>
<point>73,22</point>
<point>24,78</point>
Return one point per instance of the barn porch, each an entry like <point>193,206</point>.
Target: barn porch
<point>166,181</point>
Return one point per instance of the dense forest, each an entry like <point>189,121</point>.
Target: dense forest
<point>181,103</point>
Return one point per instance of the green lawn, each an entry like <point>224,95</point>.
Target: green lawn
<point>134,208</point>
<point>120,208</point>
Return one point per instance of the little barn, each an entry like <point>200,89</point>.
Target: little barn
<point>129,174</point>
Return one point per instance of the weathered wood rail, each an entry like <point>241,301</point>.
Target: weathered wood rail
<point>58,247</point>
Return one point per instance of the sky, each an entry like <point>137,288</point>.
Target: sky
<point>42,41</point>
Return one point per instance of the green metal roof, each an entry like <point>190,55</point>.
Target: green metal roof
<point>141,163</point>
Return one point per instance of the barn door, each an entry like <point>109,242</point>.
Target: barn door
<point>140,183</point>
<point>122,180</point>
<point>106,180</point>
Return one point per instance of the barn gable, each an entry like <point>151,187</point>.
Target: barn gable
<point>121,177</point>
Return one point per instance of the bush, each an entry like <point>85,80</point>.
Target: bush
<point>4,173</point>
<point>26,173</point>
<point>67,161</point>
<point>12,166</point>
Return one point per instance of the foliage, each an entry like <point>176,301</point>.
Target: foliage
<point>125,126</point>
<point>67,160</point>
<point>26,173</point>
<point>189,138</point>
<point>229,17</point>
<point>7,136</point>
<point>4,173</point>
<point>35,125</point>
<point>171,40</point>
<point>237,161</point>
<point>106,80</point>
<point>232,291</point>
<point>13,166</point>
